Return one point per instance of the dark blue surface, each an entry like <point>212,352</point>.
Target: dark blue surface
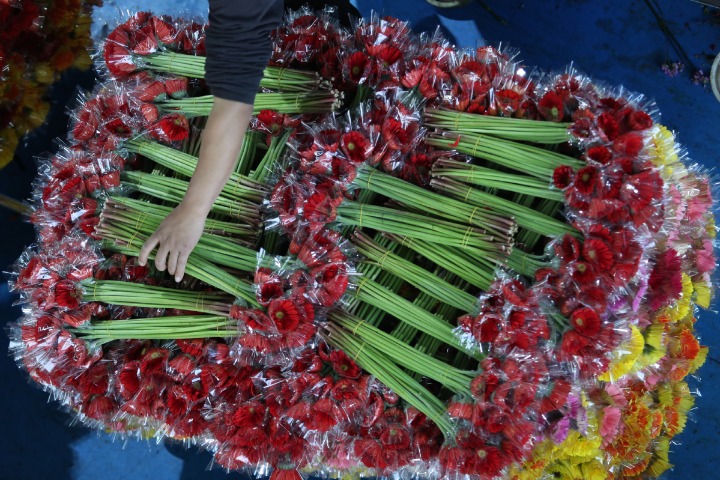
<point>617,42</point>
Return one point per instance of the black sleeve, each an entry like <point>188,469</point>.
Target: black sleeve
<point>239,46</point>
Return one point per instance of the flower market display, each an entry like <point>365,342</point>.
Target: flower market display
<point>429,262</point>
<point>38,40</point>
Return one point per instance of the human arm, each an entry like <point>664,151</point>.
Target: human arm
<point>180,232</point>
<point>238,49</point>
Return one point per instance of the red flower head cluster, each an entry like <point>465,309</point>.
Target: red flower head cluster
<point>307,40</point>
<point>50,279</point>
<point>141,34</point>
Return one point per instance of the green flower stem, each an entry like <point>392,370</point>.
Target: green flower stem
<point>291,103</point>
<point>159,328</point>
<point>419,226</point>
<point>214,248</point>
<point>456,380</point>
<point>525,263</point>
<point>503,127</point>
<point>173,190</point>
<point>267,165</point>
<point>488,177</point>
<point>129,244</point>
<point>371,313</point>
<point>373,293</point>
<point>377,364</point>
<point>533,161</point>
<point>474,269</point>
<point>526,217</point>
<point>418,277</point>
<point>150,296</point>
<point>530,239</point>
<point>194,67</point>
<point>233,231</point>
<point>433,203</point>
<point>237,187</point>
<point>247,152</point>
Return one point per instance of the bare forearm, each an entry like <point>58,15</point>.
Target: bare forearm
<point>221,143</point>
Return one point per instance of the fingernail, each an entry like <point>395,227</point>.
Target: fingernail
<point>177,279</point>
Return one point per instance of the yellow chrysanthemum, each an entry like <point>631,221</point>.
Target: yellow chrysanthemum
<point>566,470</point>
<point>625,356</point>
<point>702,293</point>
<point>699,361</point>
<point>662,149</point>
<point>654,348</point>
<point>593,470</point>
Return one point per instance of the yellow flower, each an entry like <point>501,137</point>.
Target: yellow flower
<point>44,74</point>
<point>699,361</point>
<point>654,347</point>
<point>593,470</point>
<point>565,470</point>
<point>625,356</point>
<point>702,293</point>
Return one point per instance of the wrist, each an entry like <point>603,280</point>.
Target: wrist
<point>194,208</point>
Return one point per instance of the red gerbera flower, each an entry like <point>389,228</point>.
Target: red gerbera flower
<point>606,121</point>
<point>118,127</point>
<point>665,280</point>
<point>551,107</point>
<point>356,66</point>
<point>343,365</point>
<point>629,144</point>
<point>370,453</point>
<point>285,474</point>
<point>387,54</point>
<point>598,253</point>
<point>86,124</point>
<point>247,415</point>
<point>585,321</point>
<point>356,146</point>
<point>599,154</point>
<point>639,120</point>
<point>285,314</point>
<point>177,87</point>
<point>172,127</point>
<point>164,31</point>
<point>152,92</point>
<point>587,180</point>
<point>99,407</point>
<point>562,176</point>
<point>270,121</point>
<point>320,208</point>
<point>573,343</point>
<point>67,295</point>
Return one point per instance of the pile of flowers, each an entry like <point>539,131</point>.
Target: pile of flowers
<point>38,40</point>
<point>426,262</point>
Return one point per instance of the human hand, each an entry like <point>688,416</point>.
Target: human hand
<point>176,236</point>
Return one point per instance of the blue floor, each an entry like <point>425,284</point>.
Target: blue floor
<point>615,41</point>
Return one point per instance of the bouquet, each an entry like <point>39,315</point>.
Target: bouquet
<point>427,262</point>
<point>38,41</point>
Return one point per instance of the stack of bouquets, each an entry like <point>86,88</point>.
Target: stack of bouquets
<point>38,40</point>
<point>426,262</point>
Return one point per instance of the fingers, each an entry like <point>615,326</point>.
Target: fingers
<point>161,257</point>
<point>181,263</point>
<point>147,249</point>
<point>172,261</point>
